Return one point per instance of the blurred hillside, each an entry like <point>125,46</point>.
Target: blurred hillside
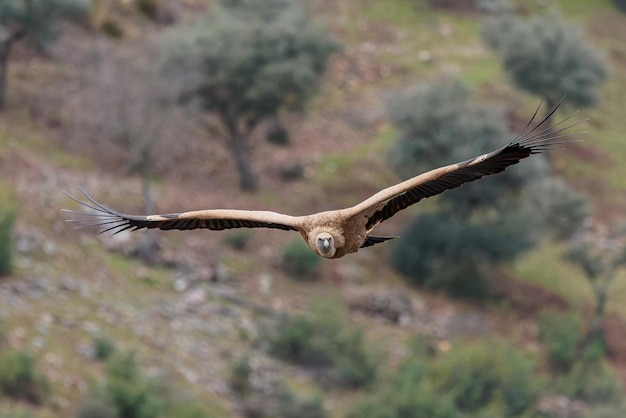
<point>218,323</point>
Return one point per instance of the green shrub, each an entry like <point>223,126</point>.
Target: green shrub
<point>7,220</point>
<point>455,256</point>
<point>240,373</point>
<point>113,28</point>
<point>128,394</point>
<point>97,406</point>
<point>409,395</point>
<point>103,347</point>
<point>277,134</point>
<point>482,380</point>
<point>304,340</point>
<point>292,172</point>
<point>560,334</point>
<point>435,252</point>
<point>299,261</point>
<point>595,383</point>
<point>193,409</point>
<point>606,411</point>
<point>239,239</point>
<point>2,333</point>
<point>17,413</point>
<point>133,395</point>
<point>594,349</point>
<point>488,376</point>
<point>19,378</point>
<point>283,404</point>
<point>354,364</point>
<point>149,8</point>
<point>324,341</point>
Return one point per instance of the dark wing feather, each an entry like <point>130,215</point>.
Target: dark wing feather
<point>530,141</point>
<point>116,222</point>
<point>373,240</point>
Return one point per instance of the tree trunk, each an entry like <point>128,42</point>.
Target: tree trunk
<point>597,318</point>
<point>5,51</point>
<point>5,48</point>
<point>240,151</point>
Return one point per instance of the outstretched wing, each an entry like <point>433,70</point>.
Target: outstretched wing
<point>216,220</point>
<point>531,140</point>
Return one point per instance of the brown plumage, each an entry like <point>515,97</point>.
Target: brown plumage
<point>333,234</point>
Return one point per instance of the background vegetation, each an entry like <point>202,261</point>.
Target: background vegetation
<point>499,299</point>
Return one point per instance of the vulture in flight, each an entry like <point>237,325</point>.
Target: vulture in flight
<point>333,234</point>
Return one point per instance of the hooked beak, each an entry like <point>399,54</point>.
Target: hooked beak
<point>326,243</point>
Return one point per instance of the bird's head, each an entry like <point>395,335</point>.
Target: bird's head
<point>325,244</point>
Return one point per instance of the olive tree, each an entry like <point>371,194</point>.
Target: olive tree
<point>482,224</point>
<point>7,220</point>
<point>246,62</point>
<point>37,19</point>
<point>600,255</point>
<point>546,56</point>
<point>439,123</point>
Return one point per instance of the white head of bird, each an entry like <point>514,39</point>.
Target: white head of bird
<point>325,244</point>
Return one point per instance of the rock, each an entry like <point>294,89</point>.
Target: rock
<point>220,273</point>
<point>189,374</point>
<point>425,55</point>
<point>560,406</point>
<point>186,276</point>
<point>91,327</point>
<point>38,342</point>
<point>394,305</point>
<point>350,272</point>
<point>265,284</point>
<point>28,240</point>
<point>68,284</point>
<point>192,299</point>
<point>180,284</point>
<point>49,247</point>
<point>461,324</point>
<point>52,359</point>
<point>166,311</point>
<point>43,325</point>
<point>19,287</point>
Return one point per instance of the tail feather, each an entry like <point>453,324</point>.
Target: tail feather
<point>373,240</point>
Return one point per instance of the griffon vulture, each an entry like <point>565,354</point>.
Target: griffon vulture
<point>333,234</point>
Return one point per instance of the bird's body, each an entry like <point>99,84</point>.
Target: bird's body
<point>333,234</point>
